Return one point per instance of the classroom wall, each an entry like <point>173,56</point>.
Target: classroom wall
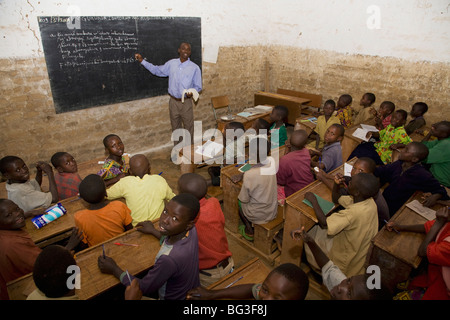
<point>326,47</point>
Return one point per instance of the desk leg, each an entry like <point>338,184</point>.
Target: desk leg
<point>187,168</point>
<point>230,203</point>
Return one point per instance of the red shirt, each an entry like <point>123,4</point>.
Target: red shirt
<point>67,184</point>
<point>212,240</point>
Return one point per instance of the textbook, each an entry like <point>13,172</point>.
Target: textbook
<point>325,205</point>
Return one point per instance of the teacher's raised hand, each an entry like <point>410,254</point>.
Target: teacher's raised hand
<point>138,57</point>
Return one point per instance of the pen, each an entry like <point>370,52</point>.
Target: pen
<point>103,246</point>
<point>320,161</point>
<point>129,278</point>
<point>160,173</point>
<point>126,244</point>
<point>392,228</point>
<point>234,282</point>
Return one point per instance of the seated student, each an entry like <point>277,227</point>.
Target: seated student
<point>349,230</point>
<point>67,178</point>
<point>144,192</point>
<point>390,138</point>
<point>261,129</point>
<point>365,165</point>
<point>258,196</point>
<point>175,271</point>
<point>103,220</point>
<point>417,111</point>
<point>338,284</point>
<point>406,176</point>
<point>383,115</point>
<point>294,170</point>
<point>115,166</point>
<point>367,111</point>
<point>278,132</point>
<point>18,251</point>
<point>26,192</point>
<point>215,259</point>
<point>436,248</point>
<point>51,276</point>
<point>323,123</point>
<point>439,152</point>
<point>344,111</point>
<point>285,282</point>
<point>330,157</point>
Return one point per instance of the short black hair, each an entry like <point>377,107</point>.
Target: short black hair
<point>56,159</point>
<point>370,96</point>
<point>370,163</point>
<point>403,113</point>
<point>330,102</point>
<point>50,271</point>
<point>340,127</point>
<point>190,202</point>
<point>262,124</point>
<point>346,99</point>
<point>260,144</point>
<point>235,125</point>
<point>92,189</point>
<point>296,275</point>
<point>420,150</point>
<point>423,107</point>
<point>367,184</point>
<point>389,104</point>
<point>6,161</point>
<point>109,136</point>
<point>194,183</point>
<point>282,110</point>
<point>445,124</point>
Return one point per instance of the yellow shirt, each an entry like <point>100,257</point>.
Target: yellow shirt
<point>363,116</point>
<point>352,229</point>
<point>321,128</point>
<point>145,197</point>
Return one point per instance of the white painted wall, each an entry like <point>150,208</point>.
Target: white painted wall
<point>409,29</point>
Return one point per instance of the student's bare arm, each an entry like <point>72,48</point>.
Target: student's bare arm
<point>320,256</point>
<point>321,218</point>
<point>51,179</point>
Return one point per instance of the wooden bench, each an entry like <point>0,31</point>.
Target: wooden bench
<point>316,99</point>
<point>264,233</point>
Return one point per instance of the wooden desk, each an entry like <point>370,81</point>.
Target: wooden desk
<point>254,271</point>
<point>93,282</point>
<point>304,124</point>
<point>246,121</point>
<point>299,214</point>
<point>396,254</point>
<point>349,142</point>
<point>294,104</point>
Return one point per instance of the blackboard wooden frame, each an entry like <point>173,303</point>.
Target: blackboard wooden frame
<point>90,60</point>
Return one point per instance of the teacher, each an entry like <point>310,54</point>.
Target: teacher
<point>183,75</point>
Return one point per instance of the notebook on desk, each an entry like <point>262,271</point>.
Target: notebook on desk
<point>325,205</point>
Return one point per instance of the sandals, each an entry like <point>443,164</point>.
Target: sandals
<point>245,235</point>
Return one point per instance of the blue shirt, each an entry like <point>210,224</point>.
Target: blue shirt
<point>182,76</point>
<point>332,156</point>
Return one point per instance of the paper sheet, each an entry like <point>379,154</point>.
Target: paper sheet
<point>348,169</point>
<point>425,212</point>
<point>369,127</point>
<point>209,149</point>
<point>191,90</point>
<point>361,134</point>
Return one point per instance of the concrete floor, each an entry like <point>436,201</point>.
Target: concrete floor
<point>160,162</point>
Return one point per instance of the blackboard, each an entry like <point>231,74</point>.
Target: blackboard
<point>90,60</point>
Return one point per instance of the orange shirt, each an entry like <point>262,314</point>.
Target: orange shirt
<point>103,224</point>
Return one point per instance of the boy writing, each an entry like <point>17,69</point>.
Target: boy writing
<point>324,122</point>
<point>26,192</point>
<point>115,166</point>
<point>417,111</point>
<point>366,113</point>
<point>102,220</point>
<point>406,176</point>
<point>278,130</point>
<point>144,193</point>
<point>215,260</point>
<point>175,271</point>
<point>439,152</point>
<point>344,111</point>
<point>384,114</point>
<point>331,155</point>
<point>349,230</point>
<point>67,178</point>
<point>285,282</point>
<point>391,138</point>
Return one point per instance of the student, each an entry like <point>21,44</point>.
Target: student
<point>51,276</point>
<point>175,271</point>
<point>103,220</point>
<point>406,176</point>
<point>345,235</point>
<point>183,75</point>
<point>366,113</point>
<point>258,196</point>
<point>384,114</point>
<point>439,152</point>
<point>338,284</point>
<point>215,259</point>
<point>285,282</point>
<point>436,248</point>
<point>67,178</point>
<point>294,170</point>
<point>344,111</point>
<point>330,157</point>
<point>26,192</point>
<point>18,251</point>
<point>115,166</point>
<point>278,132</point>
<point>323,123</point>
<point>417,111</point>
<point>391,138</point>
<point>365,165</point>
<point>144,192</point>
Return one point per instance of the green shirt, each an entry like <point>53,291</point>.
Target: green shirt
<point>439,159</point>
<point>278,136</point>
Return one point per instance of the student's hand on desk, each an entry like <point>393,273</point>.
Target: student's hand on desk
<point>133,291</point>
<point>75,239</point>
<point>431,200</point>
<point>107,265</point>
<point>339,178</point>
<point>442,215</point>
<point>392,226</point>
<point>300,234</point>
<point>35,212</point>
<point>146,227</point>
<point>310,197</point>
<point>198,293</point>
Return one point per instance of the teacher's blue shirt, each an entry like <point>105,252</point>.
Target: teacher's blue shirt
<point>182,76</point>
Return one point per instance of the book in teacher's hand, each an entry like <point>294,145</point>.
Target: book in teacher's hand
<point>325,205</point>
